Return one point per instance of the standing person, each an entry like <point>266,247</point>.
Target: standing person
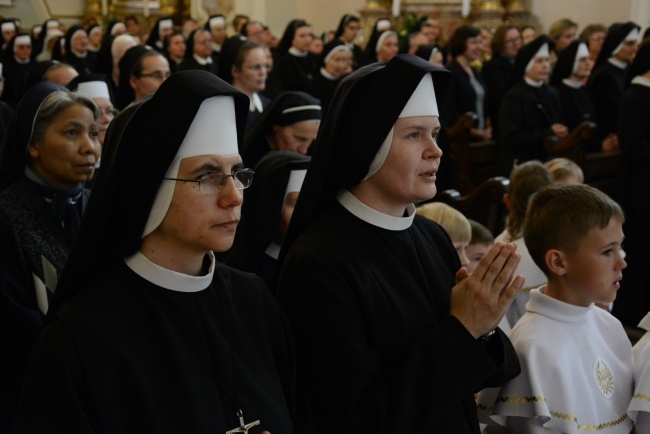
<point>576,359</point>
<point>562,33</point>
<point>634,136</point>
<point>528,34</point>
<point>594,35</point>
<point>384,344</point>
<point>347,32</point>
<point>608,79</point>
<point>267,212</point>
<point>188,344</point>
<point>497,72</point>
<point>531,110</point>
<point>50,152</point>
<point>467,93</point>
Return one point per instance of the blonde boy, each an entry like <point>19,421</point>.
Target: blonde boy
<point>482,240</point>
<point>565,171</point>
<point>576,360</point>
<point>454,223</point>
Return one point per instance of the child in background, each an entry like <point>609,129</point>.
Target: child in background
<point>482,240</point>
<point>525,180</point>
<point>565,171</point>
<point>452,221</point>
<point>576,359</point>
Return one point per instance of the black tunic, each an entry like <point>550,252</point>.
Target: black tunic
<point>322,87</point>
<point>633,301</point>
<point>390,361</point>
<point>525,120</point>
<point>462,96</point>
<point>496,74</point>
<point>295,73</point>
<point>14,74</point>
<point>129,356</point>
<point>191,63</point>
<point>606,84</point>
<point>577,105</point>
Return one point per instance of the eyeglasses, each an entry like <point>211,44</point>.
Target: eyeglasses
<point>513,40</point>
<point>158,75</point>
<point>214,183</point>
<point>354,27</point>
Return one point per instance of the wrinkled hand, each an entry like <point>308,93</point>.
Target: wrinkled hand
<point>479,300</point>
<point>560,130</point>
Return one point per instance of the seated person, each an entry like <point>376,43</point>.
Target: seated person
<point>266,213</point>
<point>142,71</point>
<point>481,241</point>
<point>576,359</point>
<point>565,171</point>
<point>290,123</point>
<point>296,66</point>
<point>608,79</point>
<point>525,180</point>
<point>199,54</point>
<point>347,32</point>
<point>382,47</point>
<point>148,332</point>
<point>531,110</point>
<point>335,62</point>
<point>454,223</point>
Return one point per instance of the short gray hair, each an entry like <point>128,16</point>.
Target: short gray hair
<point>54,104</point>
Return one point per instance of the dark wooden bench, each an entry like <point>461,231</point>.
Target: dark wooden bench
<point>484,204</point>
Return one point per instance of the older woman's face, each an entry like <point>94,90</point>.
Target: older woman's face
<point>388,49</point>
<point>69,149</point>
<point>202,44</point>
<point>596,41</point>
<point>23,50</point>
<point>106,116</point>
<point>95,39</point>
<point>79,42</point>
<point>339,63</point>
<point>219,33</point>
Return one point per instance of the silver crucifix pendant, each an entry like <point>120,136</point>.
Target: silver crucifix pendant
<point>244,427</point>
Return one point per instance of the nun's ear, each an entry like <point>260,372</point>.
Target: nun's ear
<point>33,150</point>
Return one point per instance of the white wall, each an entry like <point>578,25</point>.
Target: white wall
<point>584,11</point>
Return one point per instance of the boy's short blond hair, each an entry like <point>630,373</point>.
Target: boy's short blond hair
<point>563,168</point>
<point>480,234</point>
<point>560,216</point>
<point>451,220</point>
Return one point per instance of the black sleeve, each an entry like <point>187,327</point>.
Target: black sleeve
<point>606,95</point>
<point>517,132</point>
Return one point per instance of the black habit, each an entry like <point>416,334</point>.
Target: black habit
<point>123,354</point>
<point>377,349</point>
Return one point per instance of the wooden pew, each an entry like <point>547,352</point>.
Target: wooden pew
<point>484,204</point>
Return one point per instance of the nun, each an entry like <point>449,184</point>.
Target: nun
<point>336,61</point>
<point>187,343</point>
<point>142,71</point>
<point>382,47</point>
<point>199,54</point>
<point>387,339</point>
<point>245,62</point>
<point>76,49</point>
<point>431,53</point>
<point>296,65</point>
<point>347,32</point>
<point>290,123</point>
<point>49,26</point>
<point>216,25</point>
<point>266,213</point>
<point>95,35</point>
<point>162,28</point>
<point>571,72</point>
<point>16,66</point>
<point>95,86</point>
<point>50,152</point>
<point>531,110</point>
<point>634,138</point>
<point>608,79</point>
<point>174,49</point>
<point>52,71</point>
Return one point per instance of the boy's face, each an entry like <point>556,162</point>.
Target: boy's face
<point>594,269</point>
<point>475,253</point>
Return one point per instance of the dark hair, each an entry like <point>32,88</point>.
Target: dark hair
<point>53,105</point>
<point>498,43</point>
<point>168,40</point>
<point>590,30</point>
<point>137,68</point>
<point>243,52</point>
<point>558,217</point>
<point>458,41</point>
<point>131,18</point>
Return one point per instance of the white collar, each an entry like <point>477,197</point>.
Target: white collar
<point>327,75</point>
<point>533,83</point>
<point>166,278</point>
<point>643,81</point>
<point>256,103</point>
<point>22,62</point>
<point>372,216</point>
<point>93,49</point>
<point>617,63</point>
<point>296,52</point>
<point>572,84</point>
<point>202,61</point>
<point>216,47</point>
<point>550,307</point>
<point>78,54</point>
<point>273,250</point>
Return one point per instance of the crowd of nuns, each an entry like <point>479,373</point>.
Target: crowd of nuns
<point>61,89</point>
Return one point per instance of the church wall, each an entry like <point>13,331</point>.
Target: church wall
<point>584,11</point>
<point>33,12</point>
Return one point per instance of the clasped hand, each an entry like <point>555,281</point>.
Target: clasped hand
<point>480,299</point>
